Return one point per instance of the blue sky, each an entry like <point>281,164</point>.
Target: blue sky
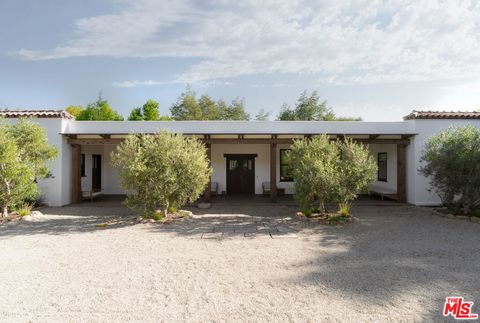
<point>374,59</point>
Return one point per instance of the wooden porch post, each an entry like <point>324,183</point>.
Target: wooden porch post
<point>401,173</point>
<point>273,172</point>
<point>208,190</point>
<point>76,174</point>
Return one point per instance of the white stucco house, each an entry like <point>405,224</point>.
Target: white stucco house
<point>246,156</point>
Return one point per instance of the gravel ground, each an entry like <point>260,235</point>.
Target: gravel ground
<point>395,263</point>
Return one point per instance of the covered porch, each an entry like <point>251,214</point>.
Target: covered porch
<point>243,164</point>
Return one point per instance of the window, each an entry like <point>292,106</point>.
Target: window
<point>382,167</point>
<point>285,175</point>
<point>83,166</point>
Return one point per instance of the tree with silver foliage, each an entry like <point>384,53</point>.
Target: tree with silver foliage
<point>24,156</point>
<point>328,171</point>
<point>161,171</point>
<point>451,160</point>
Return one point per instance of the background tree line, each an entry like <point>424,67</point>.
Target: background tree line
<point>308,107</point>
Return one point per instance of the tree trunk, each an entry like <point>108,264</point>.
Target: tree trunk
<point>165,211</point>
<point>321,207</point>
<point>4,211</point>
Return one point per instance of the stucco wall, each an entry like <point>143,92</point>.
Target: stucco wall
<point>55,190</point>
<point>262,163</point>
<point>425,129</point>
<point>391,150</point>
<point>110,179</point>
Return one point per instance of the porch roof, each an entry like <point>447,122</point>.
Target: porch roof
<point>240,127</point>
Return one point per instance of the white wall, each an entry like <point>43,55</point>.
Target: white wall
<point>262,163</point>
<point>55,190</point>
<point>110,179</point>
<point>425,129</point>
<point>391,150</point>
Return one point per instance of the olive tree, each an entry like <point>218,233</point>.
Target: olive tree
<point>162,170</point>
<point>328,171</point>
<point>313,164</point>
<point>24,156</point>
<point>451,160</point>
<point>356,170</point>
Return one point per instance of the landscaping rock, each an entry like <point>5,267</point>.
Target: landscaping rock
<point>475,219</point>
<point>204,205</point>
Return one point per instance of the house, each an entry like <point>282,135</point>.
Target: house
<point>246,156</point>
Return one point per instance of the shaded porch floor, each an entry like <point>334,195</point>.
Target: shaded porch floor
<point>243,200</point>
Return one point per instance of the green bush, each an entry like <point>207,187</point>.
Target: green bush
<point>328,171</point>
<point>451,160</point>
<point>24,156</point>
<point>344,209</point>
<point>25,210</point>
<point>161,171</point>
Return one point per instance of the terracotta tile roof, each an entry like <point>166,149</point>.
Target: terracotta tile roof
<point>442,115</point>
<point>36,114</point>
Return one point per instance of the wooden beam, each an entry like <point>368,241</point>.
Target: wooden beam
<point>253,141</point>
<point>383,141</point>
<point>94,141</point>
<point>273,172</point>
<point>76,189</point>
<point>373,137</point>
<point>105,136</point>
<point>402,173</point>
<point>231,141</point>
<point>208,190</point>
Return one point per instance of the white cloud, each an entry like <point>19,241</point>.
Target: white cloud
<point>340,41</point>
<point>136,83</point>
<point>139,83</point>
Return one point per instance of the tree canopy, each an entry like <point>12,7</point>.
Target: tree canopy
<point>310,108</point>
<point>99,110</point>
<point>262,115</point>
<point>148,112</point>
<point>451,160</point>
<point>188,107</point>
<point>24,156</point>
<point>74,110</point>
<point>161,171</point>
<point>328,171</point>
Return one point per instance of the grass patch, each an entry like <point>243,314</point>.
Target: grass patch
<point>24,210</point>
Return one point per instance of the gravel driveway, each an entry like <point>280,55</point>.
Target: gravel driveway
<point>395,262</point>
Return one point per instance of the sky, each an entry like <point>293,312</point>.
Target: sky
<point>374,59</point>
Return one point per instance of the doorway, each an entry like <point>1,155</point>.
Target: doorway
<point>241,174</point>
<point>96,173</point>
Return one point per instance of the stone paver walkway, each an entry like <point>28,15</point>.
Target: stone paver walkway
<point>249,230</point>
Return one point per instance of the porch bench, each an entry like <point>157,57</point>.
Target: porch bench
<point>383,192</point>
<point>266,188</point>
<point>90,195</point>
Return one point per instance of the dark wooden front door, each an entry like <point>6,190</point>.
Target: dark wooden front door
<point>96,172</point>
<point>240,174</point>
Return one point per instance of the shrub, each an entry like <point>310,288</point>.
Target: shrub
<point>25,210</point>
<point>452,162</point>
<point>344,209</point>
<point>356,170</point>
<point>328,171</point>
<point>161,171</point>
<point>313,166</point>
<point>24,156</point>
